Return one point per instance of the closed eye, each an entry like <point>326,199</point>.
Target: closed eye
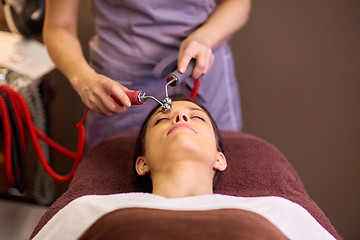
<point>159,120</point>
<point>198,117</point>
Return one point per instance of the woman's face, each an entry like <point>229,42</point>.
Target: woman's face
<point>183,134</point>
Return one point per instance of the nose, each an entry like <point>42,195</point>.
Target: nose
<point>181,117</point>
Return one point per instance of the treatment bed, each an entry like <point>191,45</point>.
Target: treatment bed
<point>256,170</point>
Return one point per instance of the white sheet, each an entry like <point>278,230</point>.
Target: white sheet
<point>293,220</point>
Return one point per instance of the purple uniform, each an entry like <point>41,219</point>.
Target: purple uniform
<point>137,42</point>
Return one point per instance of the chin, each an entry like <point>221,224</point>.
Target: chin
<point>187,146</point>
<point>183,143</point>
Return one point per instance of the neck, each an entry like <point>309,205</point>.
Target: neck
<point>180,182</point>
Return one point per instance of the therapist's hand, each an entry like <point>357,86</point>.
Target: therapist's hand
<point>228,17</point>
<point>195,47</point>
<point>95,89</point>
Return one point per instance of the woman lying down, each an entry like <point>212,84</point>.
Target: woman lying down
<point>178,159</point>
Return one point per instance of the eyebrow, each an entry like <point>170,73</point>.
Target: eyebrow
<point>188,108</point>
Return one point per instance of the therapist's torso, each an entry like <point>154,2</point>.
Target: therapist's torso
<point>132,36</point>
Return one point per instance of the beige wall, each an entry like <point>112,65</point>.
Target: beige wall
<point>298,65</point>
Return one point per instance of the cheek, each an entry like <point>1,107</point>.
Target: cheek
<point>153,145</point>
<point>208,135</point>
<point>208,141</point>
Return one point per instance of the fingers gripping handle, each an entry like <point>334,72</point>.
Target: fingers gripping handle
<point>133,96</point>
<point>179,77</point>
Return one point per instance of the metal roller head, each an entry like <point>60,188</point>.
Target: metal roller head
<point>166,107</point>
<point>166,104</point>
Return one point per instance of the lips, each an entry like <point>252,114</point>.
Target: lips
<point>181,125</point>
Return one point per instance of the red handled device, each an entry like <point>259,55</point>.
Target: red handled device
<point>135,98</point>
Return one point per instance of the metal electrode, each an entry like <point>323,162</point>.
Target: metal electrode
<point>165,103</point>
<point>173,80</point>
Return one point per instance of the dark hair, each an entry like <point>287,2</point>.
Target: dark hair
<point>139,150</point>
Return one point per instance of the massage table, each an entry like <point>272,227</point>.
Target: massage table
<point>256,169</point>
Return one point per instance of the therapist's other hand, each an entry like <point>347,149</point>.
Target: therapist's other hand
<point>95,89</point>
<point>195,47</point>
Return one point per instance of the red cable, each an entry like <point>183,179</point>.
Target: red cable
<point>195,89</point>
<point>8,140</point>
<point>18,117</point>
<point>21,107</point>
<point>51,143</point>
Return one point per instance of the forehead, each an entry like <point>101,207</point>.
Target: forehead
<point>178,105</point>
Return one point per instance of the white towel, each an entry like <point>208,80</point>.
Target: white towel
<point>293,221</point>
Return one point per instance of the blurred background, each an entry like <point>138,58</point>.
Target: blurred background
<point>298,67</point>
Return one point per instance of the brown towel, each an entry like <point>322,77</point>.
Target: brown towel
<point>144,223</point>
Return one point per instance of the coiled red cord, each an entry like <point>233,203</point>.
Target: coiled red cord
<point>23,116</point>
